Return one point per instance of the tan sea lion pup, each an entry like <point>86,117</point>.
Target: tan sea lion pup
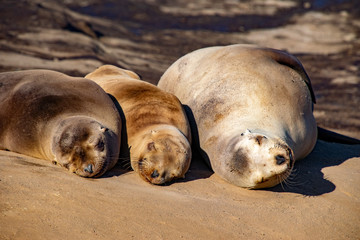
<point>70,121</point>
<point>253,108</point>
<point>157,128</point>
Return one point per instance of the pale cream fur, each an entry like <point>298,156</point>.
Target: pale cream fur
<point>237,88</point>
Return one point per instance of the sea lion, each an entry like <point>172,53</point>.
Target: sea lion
<point>70,121</point>
<point>158,132</point>
<point>253,108</point>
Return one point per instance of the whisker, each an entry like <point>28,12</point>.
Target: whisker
<point>126,166</point>
<point>284,179</point>
<point>281,182</point>
<point>291,181</point>
<point>124,160</point>
<point>125,163</point>
<point>144,163</point>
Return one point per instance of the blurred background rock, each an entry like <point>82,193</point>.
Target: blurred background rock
<point>146,36</point>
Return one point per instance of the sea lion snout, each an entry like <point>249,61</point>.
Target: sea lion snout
<point>274,167</point>
<point>161,165</point>
<point>89,168</point>
<point>151,170</point>
<point>84,147</point>
<point>256,160</point>
<point>155,174</point>
<point>259,160</point>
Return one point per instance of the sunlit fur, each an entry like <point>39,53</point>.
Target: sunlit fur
<point>165,152</point>
<point>251,160</point>
<point>157,128</point>
<point>234,88</point>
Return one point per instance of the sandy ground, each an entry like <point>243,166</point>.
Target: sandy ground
<point>41,201</point>
<point>321,200</point>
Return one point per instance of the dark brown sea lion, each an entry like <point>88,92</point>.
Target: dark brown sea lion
<point>70,121</point>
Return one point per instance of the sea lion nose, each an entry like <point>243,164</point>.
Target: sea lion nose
<point>280,159</point>
<point>155,174</point>
<point>89,168</point>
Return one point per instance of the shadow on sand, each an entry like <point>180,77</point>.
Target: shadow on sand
<point>308,178</point>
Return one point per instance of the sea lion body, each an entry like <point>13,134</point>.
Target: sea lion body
<point>253,108</point>
<point>158,132</point>
<point>50,115</point>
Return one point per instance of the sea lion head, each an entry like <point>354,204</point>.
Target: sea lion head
<point>257,161</point>
<point>85,147</point>
<point>165,155</point>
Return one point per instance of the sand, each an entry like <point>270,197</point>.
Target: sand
<point>42,201</point>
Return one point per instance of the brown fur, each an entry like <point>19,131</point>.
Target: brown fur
<point>49,115</point>
<point>157,128</point>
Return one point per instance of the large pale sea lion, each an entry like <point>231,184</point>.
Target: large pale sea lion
<point>70,121</point>
<point>253,109</point>
<point>157,128</point>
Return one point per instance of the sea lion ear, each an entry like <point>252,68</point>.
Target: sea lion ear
<point>103,129</point>
<point>151,146</point>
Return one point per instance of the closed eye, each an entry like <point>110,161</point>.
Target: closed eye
<point>100,146</point>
